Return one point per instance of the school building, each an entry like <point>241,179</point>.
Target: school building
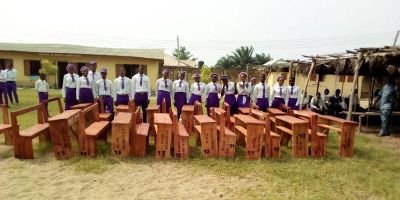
<point>26,60</point>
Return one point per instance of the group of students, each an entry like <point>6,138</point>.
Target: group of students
<point>8,86</point>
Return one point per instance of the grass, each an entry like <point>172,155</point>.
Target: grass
<point>372,173</point>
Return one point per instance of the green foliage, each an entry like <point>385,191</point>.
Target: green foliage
<point>242,57</point>
<point>205,74</point>
<point>50,69</point>
<point>184,54</point>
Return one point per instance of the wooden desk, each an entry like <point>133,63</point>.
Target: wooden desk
<point>80,106</point>
<point>251,137</point>
<point>187,117</point>
<point>244,110</point>
<point>163,127</point>
<point>206,127</point>
<point>151,110</point>
<point>273,112</point>
<point>345,128</point>
<point>120,134</point>
<point>122,108</point>
<point>60,127</point>
<point>297,129</point>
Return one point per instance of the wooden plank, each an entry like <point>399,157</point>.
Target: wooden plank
<point>209,142</point>
<point>121,126</point>
<point>163,140</point>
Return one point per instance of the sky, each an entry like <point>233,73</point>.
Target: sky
<point>209,29</point>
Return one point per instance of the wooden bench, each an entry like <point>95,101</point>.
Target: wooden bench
<point>206,133</point>
<point>89,131</point>
<point>273,112</point>
<point>120,134</point>
<point>80,106</point>
<point>226,138</point>
<point>366,115</point>
<point>345,128</point>
<point>151,110</point>
<point>295,129</point>
<point>163,126</point>
<point>181,138</point>
<point>6,127</point>
<point>139,133</point>
<point>187,117</point>
<point>272,139</point>
<point>103,115</point>
<point>250,132</point>
<point>230,120</point>
<point>23,147</point>
<point>198,108</point>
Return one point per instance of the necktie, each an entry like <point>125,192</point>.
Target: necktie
<point>105,87</point>
<point>215,86</point>
<point>180,83</point>
<point>93,76</point>
<point>87,81</point>
<point>280,91</point>
<point>291,91</point>
<point>198,86</point>
<point>165,82</point>
<point>122,83</point>
<point>141,77</point>
<point>263,90</point>
<point>226,87</point>
<point>73,78</point>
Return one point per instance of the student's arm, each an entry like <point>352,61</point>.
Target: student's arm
<point>148,89</point>
<point>173,89</point>
<point>114,90</point>
<point>187,92</point>
<point>64,87</point>
<point>78,87</point>
<point>157,85</point>
<point>271,97</point>
<point>287,96</point>
<point>133,87</point>
<point>171,92</point>
<point>37,85</point>
<point>254,94</point>
<point>129,89</point>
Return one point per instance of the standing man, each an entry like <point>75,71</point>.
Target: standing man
<point>261,94</point>
<point>95,76</point>
<point>3,86</point>
<point>122,88</point>
<point>180,88</point>
<point>292,94</point>
<point>196,89</point>
<point>104,91</point>
<point>141,91</point>
<point>211,92</point>
<point>389,94</point>
<point>11,76</point>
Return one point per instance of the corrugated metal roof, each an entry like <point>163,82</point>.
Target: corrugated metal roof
<point>170,61</point>
<point>83,50</point>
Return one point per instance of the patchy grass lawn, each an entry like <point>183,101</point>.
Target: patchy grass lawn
<point>372,173</point>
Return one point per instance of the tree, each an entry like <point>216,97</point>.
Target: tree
<point>49,68</point>
<point>261,59</point>
<point>205,72</point>
<point>225,62</point>
<point>184,54</point>
<point>242,57</point>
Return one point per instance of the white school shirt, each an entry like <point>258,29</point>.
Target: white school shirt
<point>294,95</point>
<point>3,76</point>
<point>11,74</point>
<point>230,89</point>
<point>194,88</point>
<point>82,83</point>
<point>68,83</point>
<point>41,86</point>
<point>210,88</point>
<point>315,104</point>
<point>94,76</point>
<point>160,85</point>
<point>136,87</point>
<point>276,93</point>
<point>243,88</point>
<point>101,91</point>
<point>258,91</point>
<point>117,87</point>
<point>183,88</point>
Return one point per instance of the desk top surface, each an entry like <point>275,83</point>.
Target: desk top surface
<point>305,113</point>
<point>122,118</point>
<point>65,115</point>
<point>188,108</point>
<point>290,119</point>
<point>335,119</point>
<point>156,107</point>
<point>204,119</point>
<point>162,118</point>
<point>247,119</point>
<point>244,110</point>
<point>81,106</point>
<point>276,111</point>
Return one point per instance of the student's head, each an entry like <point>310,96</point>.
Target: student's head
<point>214,77</point>
<point>337,92</point>
<point>42,76</point>
<point>196,77</point>
<point>326,91</point>
<point>243,76</point>
<point>8,65</point>
<point>84,71</point>
<point>253,80</point>
<point>165,73</point>
<point>122,71</point>
<point>93,65</point>
<point>103,73</point>
<point>318,95</point>
<point>70,68</point>
<point>291,81</point>
<point>141,69</point>
<point>262,78</point>
<point>280,80</point>
<point>224,79</point>
<point>182,75</point>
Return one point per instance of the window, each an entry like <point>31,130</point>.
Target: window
<point>342,78</point>
<point>31,67</point>
<point>350,79</point>
<point>313,77</point>
<point>130,69</point>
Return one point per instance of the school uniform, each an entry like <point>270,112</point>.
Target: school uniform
<point>122,90</point>
<point>278,95</point>
<point>197,91</point>
<point>85,90</point>
<point>3,87</point>
<point>243,99</point>
<point>42,87</point>
<point>141,92</point>
<point>261,95</point>
<point>68,89</point>
<point>316,105</point>
<point>11,75</point>
<point>211,92</point>
<point>180,89</point>
<point>164,91</point>
<point>293,93</point>
<point>229,92</point>
<point>104,90</point>
<point>94,76</point>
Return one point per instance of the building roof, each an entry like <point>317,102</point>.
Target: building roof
<point>83,50</point>
<point>170,61</point>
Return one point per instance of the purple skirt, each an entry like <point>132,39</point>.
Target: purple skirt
<point>194,98</point>
<point>262,104</point>
<point>86,95</point>
<point>240,100</point>
<point>70,98</point>
<point>164,95</point>
<point>231,100</point>
<point>141,99</point>
<point>179,100</point>
<point>276,103</point>
<point>122,99</point>
<point>292,103</point>
<point>213,100</point>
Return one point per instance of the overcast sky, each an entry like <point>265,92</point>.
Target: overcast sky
<point>208,28</point>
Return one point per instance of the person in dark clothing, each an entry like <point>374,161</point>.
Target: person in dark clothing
<point>336,104</point>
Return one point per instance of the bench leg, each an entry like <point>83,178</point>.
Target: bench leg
<point>8,137</point>
<point>91,144</point>
<point>181,147</point>
<point>139,147</point>
<point>83,146</point>
<point>27,151</point>
<point>275,147</point>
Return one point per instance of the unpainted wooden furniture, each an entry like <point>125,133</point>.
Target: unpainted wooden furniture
<point>188,117</point>
<point>181,138</point>
<point>139,133</point>
<point>206,132</point>
<point>226,137</point>
<point>163,126</point>
<point>6,127</point>
<point>250,132</point>
<point>120,134</point>
<point>293,128</point>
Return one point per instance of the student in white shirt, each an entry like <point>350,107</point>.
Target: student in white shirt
<point>85,90</point>
<point>316,104</point>
<point>211,93</point>
<point>244,89</point>
<point>180,88</point>
<point>261,94</point>
<point>69,87</point>
<point>141,91</point>
<point>122,88</point>
<point>164,89</point>
<point>253,82</point>
<point>228,90</point>
<point>11,77</point>
<point>278,95</point>
<point>3,87</point>
<point>42,87</point>
<point>196,89</point>
<point>293,93</point>
<point>95,76</point>
<point>104,91</point>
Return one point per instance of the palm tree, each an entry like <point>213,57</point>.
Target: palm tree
<point>225,62</point>
<point>243,56</point>
<point>261,59</point>
<point>184,54</point>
